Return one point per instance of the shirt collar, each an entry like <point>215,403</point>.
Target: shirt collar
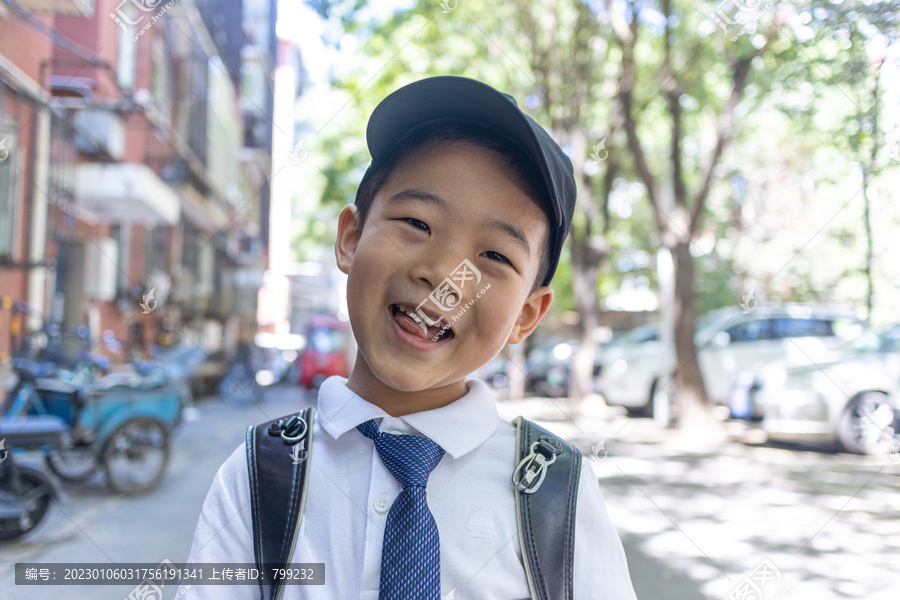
<point>459,427</point>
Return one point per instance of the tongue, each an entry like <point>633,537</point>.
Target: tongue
<point>414,328</point>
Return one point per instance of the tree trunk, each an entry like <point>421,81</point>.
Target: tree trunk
<point>564,70</point>
<point>693,408</point>
<point>692,405</point>
<point>869,171</point>
<point>590,250</point>
<point>584,284</point>
<point>585,266</point>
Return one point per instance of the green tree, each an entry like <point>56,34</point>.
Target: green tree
<point>689,101</point>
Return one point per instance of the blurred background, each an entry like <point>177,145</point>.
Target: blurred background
<point>724,342</point>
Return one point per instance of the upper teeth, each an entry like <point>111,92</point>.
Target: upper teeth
<point>417,317</point>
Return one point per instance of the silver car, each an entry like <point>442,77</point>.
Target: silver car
<point>850,396</point>
<point>729,343</point>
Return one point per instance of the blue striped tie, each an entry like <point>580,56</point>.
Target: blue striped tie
<point>411,552</point>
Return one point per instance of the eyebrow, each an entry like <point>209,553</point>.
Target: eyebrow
<point>411,195</point>
<point>515,234</point>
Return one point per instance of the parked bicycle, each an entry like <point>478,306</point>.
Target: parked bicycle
<point>120,422</point>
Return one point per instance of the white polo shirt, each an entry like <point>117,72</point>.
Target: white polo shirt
<point>470,494</point>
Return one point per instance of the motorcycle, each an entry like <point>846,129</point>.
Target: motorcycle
<point>25,490</point>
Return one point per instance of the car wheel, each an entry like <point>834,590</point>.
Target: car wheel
<point>647,409</point>
<point>866,425</point>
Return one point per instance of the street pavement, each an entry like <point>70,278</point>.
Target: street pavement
<point>695,520</point>
<point>97,525</point>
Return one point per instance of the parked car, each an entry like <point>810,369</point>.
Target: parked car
<point>325,354</point>
<point>549,367</point>
<point>729,343</point>
<point>850,396</point>
<point>494,373</point>
<point>546,369</point>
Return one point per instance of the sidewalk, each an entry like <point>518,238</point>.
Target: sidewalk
<point>695,521</point>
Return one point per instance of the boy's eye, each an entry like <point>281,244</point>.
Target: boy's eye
<point>417,224</point>
<point>496,256</point>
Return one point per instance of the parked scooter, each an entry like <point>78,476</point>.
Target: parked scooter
<point>25,490</point>
<point>241,385</point>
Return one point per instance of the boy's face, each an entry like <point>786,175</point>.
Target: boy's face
<point>455,202</point>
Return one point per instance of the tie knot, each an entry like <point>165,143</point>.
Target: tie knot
<point>409,458</point>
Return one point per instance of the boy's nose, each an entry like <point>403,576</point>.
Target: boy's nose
<point>433,267</point>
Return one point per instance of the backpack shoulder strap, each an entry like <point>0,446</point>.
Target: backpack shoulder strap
<point>546,480</point>
<point>278,457</point>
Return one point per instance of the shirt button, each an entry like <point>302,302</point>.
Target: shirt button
<point>381,504</point>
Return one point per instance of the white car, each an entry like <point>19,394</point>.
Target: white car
<point>729,343</point>
<point>851,395</point>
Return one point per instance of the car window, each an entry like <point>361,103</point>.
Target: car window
<point>639,335</point>
<point>751,331</point>
<point>890,340</point>
<point>648,335</point>
<point>802,328</point>
<point>883,339</point>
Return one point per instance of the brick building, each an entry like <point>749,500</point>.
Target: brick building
<point>136,154</point>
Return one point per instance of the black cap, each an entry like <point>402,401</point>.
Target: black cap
<point>462,100</point>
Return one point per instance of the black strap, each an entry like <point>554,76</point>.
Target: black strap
<point>545,513</point>
<point>279,470</point>
<point>545,507</point>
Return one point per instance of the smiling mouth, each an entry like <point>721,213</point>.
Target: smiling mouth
<point>415,324</point>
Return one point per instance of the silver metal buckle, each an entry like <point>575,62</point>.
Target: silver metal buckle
<point>298,437</point>
<point>535,465</point>
<point>295,425</point>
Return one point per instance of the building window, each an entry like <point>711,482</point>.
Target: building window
<point>155,251</point>
<point>7,191</point>
<point>116,232</point>
<point>126,50</point>
<point>161,84</point>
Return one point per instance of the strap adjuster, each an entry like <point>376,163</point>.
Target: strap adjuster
<point>291,430</point>
<point>543,454</point>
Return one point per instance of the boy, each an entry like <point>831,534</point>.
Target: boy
<point>463,187</point>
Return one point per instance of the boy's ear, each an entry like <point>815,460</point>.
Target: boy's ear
<point>347,237</point>
<point>531,314</point>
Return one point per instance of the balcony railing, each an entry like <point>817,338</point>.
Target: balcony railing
<point>75,8</point>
